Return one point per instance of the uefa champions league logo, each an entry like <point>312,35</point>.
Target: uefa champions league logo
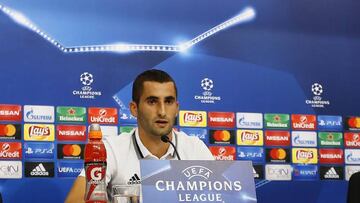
<point>317,101</point>
<point>207,85</point>
<point>87,79</point>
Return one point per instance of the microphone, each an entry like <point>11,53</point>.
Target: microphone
<point>166,139</point>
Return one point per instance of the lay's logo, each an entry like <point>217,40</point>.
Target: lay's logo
<point>39,132</point>
<point>250,137</point>
<point>304,155</point>
<point>193,118</point>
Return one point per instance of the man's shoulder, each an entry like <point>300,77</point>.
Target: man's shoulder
<point>118,140</point>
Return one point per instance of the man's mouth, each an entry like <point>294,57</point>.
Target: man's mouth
<point>161,122</point>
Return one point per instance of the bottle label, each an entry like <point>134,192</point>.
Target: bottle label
<point>95,181</point>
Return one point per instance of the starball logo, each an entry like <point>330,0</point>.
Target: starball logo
<point>86,92</point>
<point>193,118</point>
<point>198,178</point>
<point>317,101</point>
<point>207,96</point>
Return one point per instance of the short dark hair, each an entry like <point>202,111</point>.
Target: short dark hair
<point>153,75</point>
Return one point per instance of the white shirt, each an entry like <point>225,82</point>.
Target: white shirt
<point>124,153</point>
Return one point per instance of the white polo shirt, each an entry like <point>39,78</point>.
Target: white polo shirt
<point>125,151</point>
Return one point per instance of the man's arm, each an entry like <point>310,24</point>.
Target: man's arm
<point>77,192</point>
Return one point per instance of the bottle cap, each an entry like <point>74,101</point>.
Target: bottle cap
<point>95,131</point>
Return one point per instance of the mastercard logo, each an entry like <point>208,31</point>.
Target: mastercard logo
<point>354,122</point>
<point>7,130</point>
<point>278,154</point>
<point>222,135</point>
<point>71,150</point>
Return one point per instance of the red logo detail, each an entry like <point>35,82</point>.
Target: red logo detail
<point>39,131</point>
<point>222,119</point>
<point>303,122</point>
<point>103,115</point>
<point>221,135</point>
<point>10,112</point>
<point>223,153</point>
<point>278,154</point>
<point>10,150</point>
<point>71,111</point>
<point>277,138</point>
<point>192,117</point>
<point>249,136</point>
<point>352,140</point>
<point>71,150</point>
<point>331,156</point>
<point>71,132</point>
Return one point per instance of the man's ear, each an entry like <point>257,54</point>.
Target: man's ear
<point>133,109</point>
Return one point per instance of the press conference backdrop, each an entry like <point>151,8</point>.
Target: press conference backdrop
<point>273,82</point>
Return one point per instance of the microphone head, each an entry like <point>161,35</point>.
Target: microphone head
<point>165,138</point>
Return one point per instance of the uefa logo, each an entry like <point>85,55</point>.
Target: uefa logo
<point>317,89</point>
<point>207,84</point>
<point>317,101</point>
<point>207,96</point>
<point>86,78</point>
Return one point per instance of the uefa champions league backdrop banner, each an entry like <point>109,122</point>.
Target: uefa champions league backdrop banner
<point>272,82</point>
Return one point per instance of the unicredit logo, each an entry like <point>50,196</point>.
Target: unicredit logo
<point>303,154</point>
<point>39,131</point>
<point>249,136</point>
<point>102,112</point>
<point>192,117</point>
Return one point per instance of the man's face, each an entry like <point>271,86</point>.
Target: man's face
<point>157,108</point>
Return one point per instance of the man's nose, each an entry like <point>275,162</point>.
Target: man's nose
<point>161,109</point>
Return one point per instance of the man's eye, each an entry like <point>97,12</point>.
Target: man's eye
<point>169,101</point>
<point>151,101</point>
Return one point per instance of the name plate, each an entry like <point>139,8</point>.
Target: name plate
<point>197,181</point>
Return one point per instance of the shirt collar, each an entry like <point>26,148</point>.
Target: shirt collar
<point>170,154</point>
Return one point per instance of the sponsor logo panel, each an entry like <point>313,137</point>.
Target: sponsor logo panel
<point>71,132</point>
<point>193,118</point>
<point>305,172</point>
<point>125,116</point>
<point>39,114</point>
<point>69,169</point>
<point>330,123</point>
<point>277,121</point>
<point>126,129</point>
<point>254,154</point>
<point>303,139</point>
<point>303,122</point>
<point>352,139</point>
<point>352,156</point>
<point>70,151</point>
<point>331,156</point>
<point>10,150</point>
<point>10,169</point>
<point>304,156</point>
<point>39,150</point>
<point>201,133</point>
<point>278,155</point>
<point>258,171</point>
<point>222,136</point>
<point>223,152</point>
<point>277,138</point>
<point>278,172</point>
<point>102,115</point>
<point>10,112</point>
<point>39,132</point>
<point>250,137</point>
<point>10,131</point>
<point>331,173</point>
<point>249,120</point>
<point>221,119</point>
<point>349,170</point>
<point>352,123</point>
<point>71,114</point>
<point>39,169</point>
<point>332,139</point>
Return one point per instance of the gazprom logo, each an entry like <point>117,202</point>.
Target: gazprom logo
<point>38,114</point>
<point>197,171</point>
